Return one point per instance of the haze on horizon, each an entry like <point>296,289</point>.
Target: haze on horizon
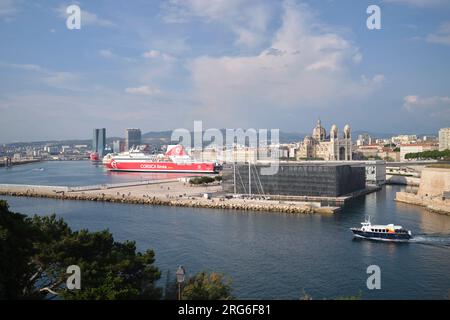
<point>230,63</point>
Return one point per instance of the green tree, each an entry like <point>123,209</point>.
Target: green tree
<point>171,287</point>
<point>17,274</point>
<point>204,286</point>
<point>35,253</point>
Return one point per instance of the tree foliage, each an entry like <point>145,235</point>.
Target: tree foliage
<point>204,286</point>
<point>432,154</point>
<point>35,253</point>
<point>17,237</point>
<point>202,180</point>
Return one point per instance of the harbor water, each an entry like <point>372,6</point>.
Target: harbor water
<point>267,255</point>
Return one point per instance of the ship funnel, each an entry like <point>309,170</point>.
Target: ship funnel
<point>175,150</point>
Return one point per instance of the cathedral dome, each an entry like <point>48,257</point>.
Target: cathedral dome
<point>319,132</point>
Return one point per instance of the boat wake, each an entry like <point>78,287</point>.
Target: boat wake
<point>432,239</point>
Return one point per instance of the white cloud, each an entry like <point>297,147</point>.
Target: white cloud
<point>442,36</point>
<point>143,90</point>
<point>155,54</point>
<point>55,79</point>
<point>8,8</point>
<point>152,54</point>
<point>306,66</point>
<point>247,19</point>
<point>26,67</point>
<point>437,106</point>
<point>419,3</point>
<point>106,53</point>
<point>109,54</point>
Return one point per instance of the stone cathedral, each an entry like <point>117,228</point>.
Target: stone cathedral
<point>329,148</point>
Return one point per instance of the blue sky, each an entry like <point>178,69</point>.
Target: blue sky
<point>160,65</point>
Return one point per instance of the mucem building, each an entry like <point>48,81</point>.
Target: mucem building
<point>295,179</point>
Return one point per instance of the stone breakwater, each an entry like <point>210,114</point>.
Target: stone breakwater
<point>434,204</point>
<point>194,202</point>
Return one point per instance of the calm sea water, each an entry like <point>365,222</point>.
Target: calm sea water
<point>72,173</point>
<point>275,256</point>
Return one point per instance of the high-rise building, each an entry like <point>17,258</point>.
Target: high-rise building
<point>99,141</point>
<point>132,138</point>
<point>363,140</point>
<point>118,146</point>
<point>444,139</point>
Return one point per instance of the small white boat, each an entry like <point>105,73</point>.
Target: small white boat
<point>389,232</point>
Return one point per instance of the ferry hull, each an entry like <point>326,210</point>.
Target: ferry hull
<point>162,167</point>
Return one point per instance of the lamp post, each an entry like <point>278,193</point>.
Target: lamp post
<point>181,272</point>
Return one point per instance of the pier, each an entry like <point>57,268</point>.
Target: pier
<point>8,162</point>
<point>167,193</point>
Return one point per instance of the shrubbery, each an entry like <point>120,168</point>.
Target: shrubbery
<point>204,180</point>
<point>429,155</point>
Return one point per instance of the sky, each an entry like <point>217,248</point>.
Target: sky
<point>161,65</point>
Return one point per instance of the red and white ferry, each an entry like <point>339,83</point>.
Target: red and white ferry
<point>174,160</point>
<point>94,157</point>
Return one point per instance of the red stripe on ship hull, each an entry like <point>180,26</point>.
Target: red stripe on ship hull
<point>161,167</point>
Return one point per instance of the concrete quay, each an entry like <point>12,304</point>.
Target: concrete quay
<point>166,193</point>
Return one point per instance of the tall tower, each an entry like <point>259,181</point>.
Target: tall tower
<point>334,143</point>
<point>444,139</point>
<point>99,141</point>
<point>348,143</point>
<point>132,138</point>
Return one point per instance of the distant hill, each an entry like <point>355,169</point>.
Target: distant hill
<point>163,137</point>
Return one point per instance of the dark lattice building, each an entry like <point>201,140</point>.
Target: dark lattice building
<point>296,179</point>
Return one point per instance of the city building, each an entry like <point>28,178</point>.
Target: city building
<point>321,146</point>
<point>118,146</point>
<point>404,139</point>
<point>99,141</point>
<point>363,140</point>
<point>429,139</point>
<point>52,150</point>
<point>132,138</point>
<point>444,139</point>
<point>368,151</point>
<point>323,179</point>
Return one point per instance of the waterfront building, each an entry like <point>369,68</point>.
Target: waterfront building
<point>52,150</point>
<point>444,139</point>
<point>99,141</point>
<point>367,152</point>
<point>327,147</point>
<point>324,179</point>
<point>132,138</point>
